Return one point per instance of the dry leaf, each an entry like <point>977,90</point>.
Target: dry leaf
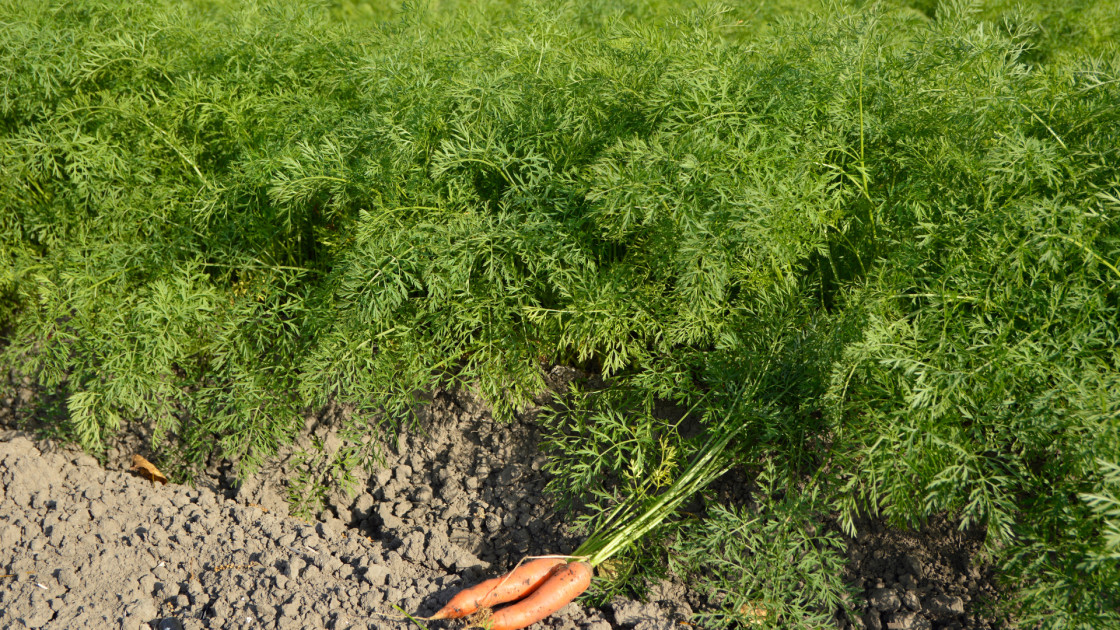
<point>147,470</point>
<point>756,615</point>
<point>610,569</point>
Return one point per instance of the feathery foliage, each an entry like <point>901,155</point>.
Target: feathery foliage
<point>899,222</point>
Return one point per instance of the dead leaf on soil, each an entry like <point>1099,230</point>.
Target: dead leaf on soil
<point>146,470</point>
<point>756,615</point>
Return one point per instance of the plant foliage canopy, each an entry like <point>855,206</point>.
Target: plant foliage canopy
<point>899,223</point>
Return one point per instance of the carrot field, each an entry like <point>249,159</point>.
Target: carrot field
<point>874,245</point>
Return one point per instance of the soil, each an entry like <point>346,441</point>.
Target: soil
<point>457,498</point>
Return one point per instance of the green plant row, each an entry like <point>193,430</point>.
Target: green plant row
<point>897,225</point>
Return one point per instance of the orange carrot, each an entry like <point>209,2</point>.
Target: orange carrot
<point>505,588</point>
<point>563,585</point>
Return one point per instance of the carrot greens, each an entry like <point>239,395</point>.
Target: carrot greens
<point>898,221</point>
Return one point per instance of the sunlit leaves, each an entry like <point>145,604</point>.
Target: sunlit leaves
<point>902,224</point>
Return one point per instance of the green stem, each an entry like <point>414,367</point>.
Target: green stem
<point>708,465</point>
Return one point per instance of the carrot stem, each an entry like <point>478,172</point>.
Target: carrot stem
<point>649,512</point>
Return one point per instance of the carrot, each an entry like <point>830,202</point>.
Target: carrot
<point>563,585</point>
<point>505,588</point>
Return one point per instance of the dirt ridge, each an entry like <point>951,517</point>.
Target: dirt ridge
<point>457,498</point>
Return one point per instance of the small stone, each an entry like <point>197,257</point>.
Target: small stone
<point>908,621</point>
<point>289,568</point>
<point>364,503</point>
<point>86,461</point>
<point>945,605</point>
<point>884,599</point>
<point>331,528</point>
<point>144,609</point>
<point>332,443</point>
<point>914,566</point>
<point>40,614</point>
<point>423,494</point>
<point>97,509</point>
<point>384,513</point>
<point>911,600</point>
<point>376,574</point>
<point>872,621</point>
<point>631,613</point>
<point>9,536</point>
<point>382,477</point>
<point>68,577</point>
<point>413,547</point>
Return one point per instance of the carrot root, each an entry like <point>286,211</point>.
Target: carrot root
<point>563,584</point>
<point>514,585</point>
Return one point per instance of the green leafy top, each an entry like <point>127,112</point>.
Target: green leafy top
<point>900,221</point>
